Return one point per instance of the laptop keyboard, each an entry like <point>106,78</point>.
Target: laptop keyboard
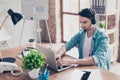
<point>60,67</point>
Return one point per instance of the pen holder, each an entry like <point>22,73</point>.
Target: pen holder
<point>44,76</point>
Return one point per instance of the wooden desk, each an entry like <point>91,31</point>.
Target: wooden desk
<point>13,52</point>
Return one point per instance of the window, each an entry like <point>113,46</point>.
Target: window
<point>70,18</point>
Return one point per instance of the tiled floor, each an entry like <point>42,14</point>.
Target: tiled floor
<point>115,68</point>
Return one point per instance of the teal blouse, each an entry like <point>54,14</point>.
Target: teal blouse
<point>100,51</point>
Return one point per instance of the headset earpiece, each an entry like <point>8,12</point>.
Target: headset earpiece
<point>92,11</point>
<point>93,21</point>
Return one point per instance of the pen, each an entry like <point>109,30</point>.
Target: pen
<point>45,71</point>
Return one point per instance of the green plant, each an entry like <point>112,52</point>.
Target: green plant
<point>34,60</point>
<point>102,24</point>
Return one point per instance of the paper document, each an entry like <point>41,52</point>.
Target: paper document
<point>95,74</point>
<point>24,53</point>
<point>76,75</point>
<point>20,56</point>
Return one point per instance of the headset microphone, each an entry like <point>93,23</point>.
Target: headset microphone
<point>89,28</point>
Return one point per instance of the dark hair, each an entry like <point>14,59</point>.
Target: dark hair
<point>89,13</point>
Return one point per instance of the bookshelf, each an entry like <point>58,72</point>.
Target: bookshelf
<point>108,12</point>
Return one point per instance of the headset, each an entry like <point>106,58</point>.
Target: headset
<point>89,13</point>
<point>89,28</point>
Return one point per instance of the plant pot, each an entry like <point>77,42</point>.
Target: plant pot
<point>34,73</point>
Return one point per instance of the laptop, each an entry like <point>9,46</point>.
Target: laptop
<point>51,59</point>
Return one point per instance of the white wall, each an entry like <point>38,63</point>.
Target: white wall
<point>15,30</point>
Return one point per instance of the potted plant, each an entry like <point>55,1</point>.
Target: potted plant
<point>33,62</point>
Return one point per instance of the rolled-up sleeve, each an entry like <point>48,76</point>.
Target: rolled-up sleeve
<point>101,55</point>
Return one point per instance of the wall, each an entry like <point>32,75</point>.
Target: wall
<point>30,27</point>
<point>54,23</point>
<point>15,31</point>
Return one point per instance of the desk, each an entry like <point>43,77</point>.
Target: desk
<point>13,52</point>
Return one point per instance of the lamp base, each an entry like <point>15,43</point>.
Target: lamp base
<point>8,59</point>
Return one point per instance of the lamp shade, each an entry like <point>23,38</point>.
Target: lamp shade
<point>16,17</point>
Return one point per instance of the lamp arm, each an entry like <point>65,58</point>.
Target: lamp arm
<point>1,56</point>
<point>3,22</point>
